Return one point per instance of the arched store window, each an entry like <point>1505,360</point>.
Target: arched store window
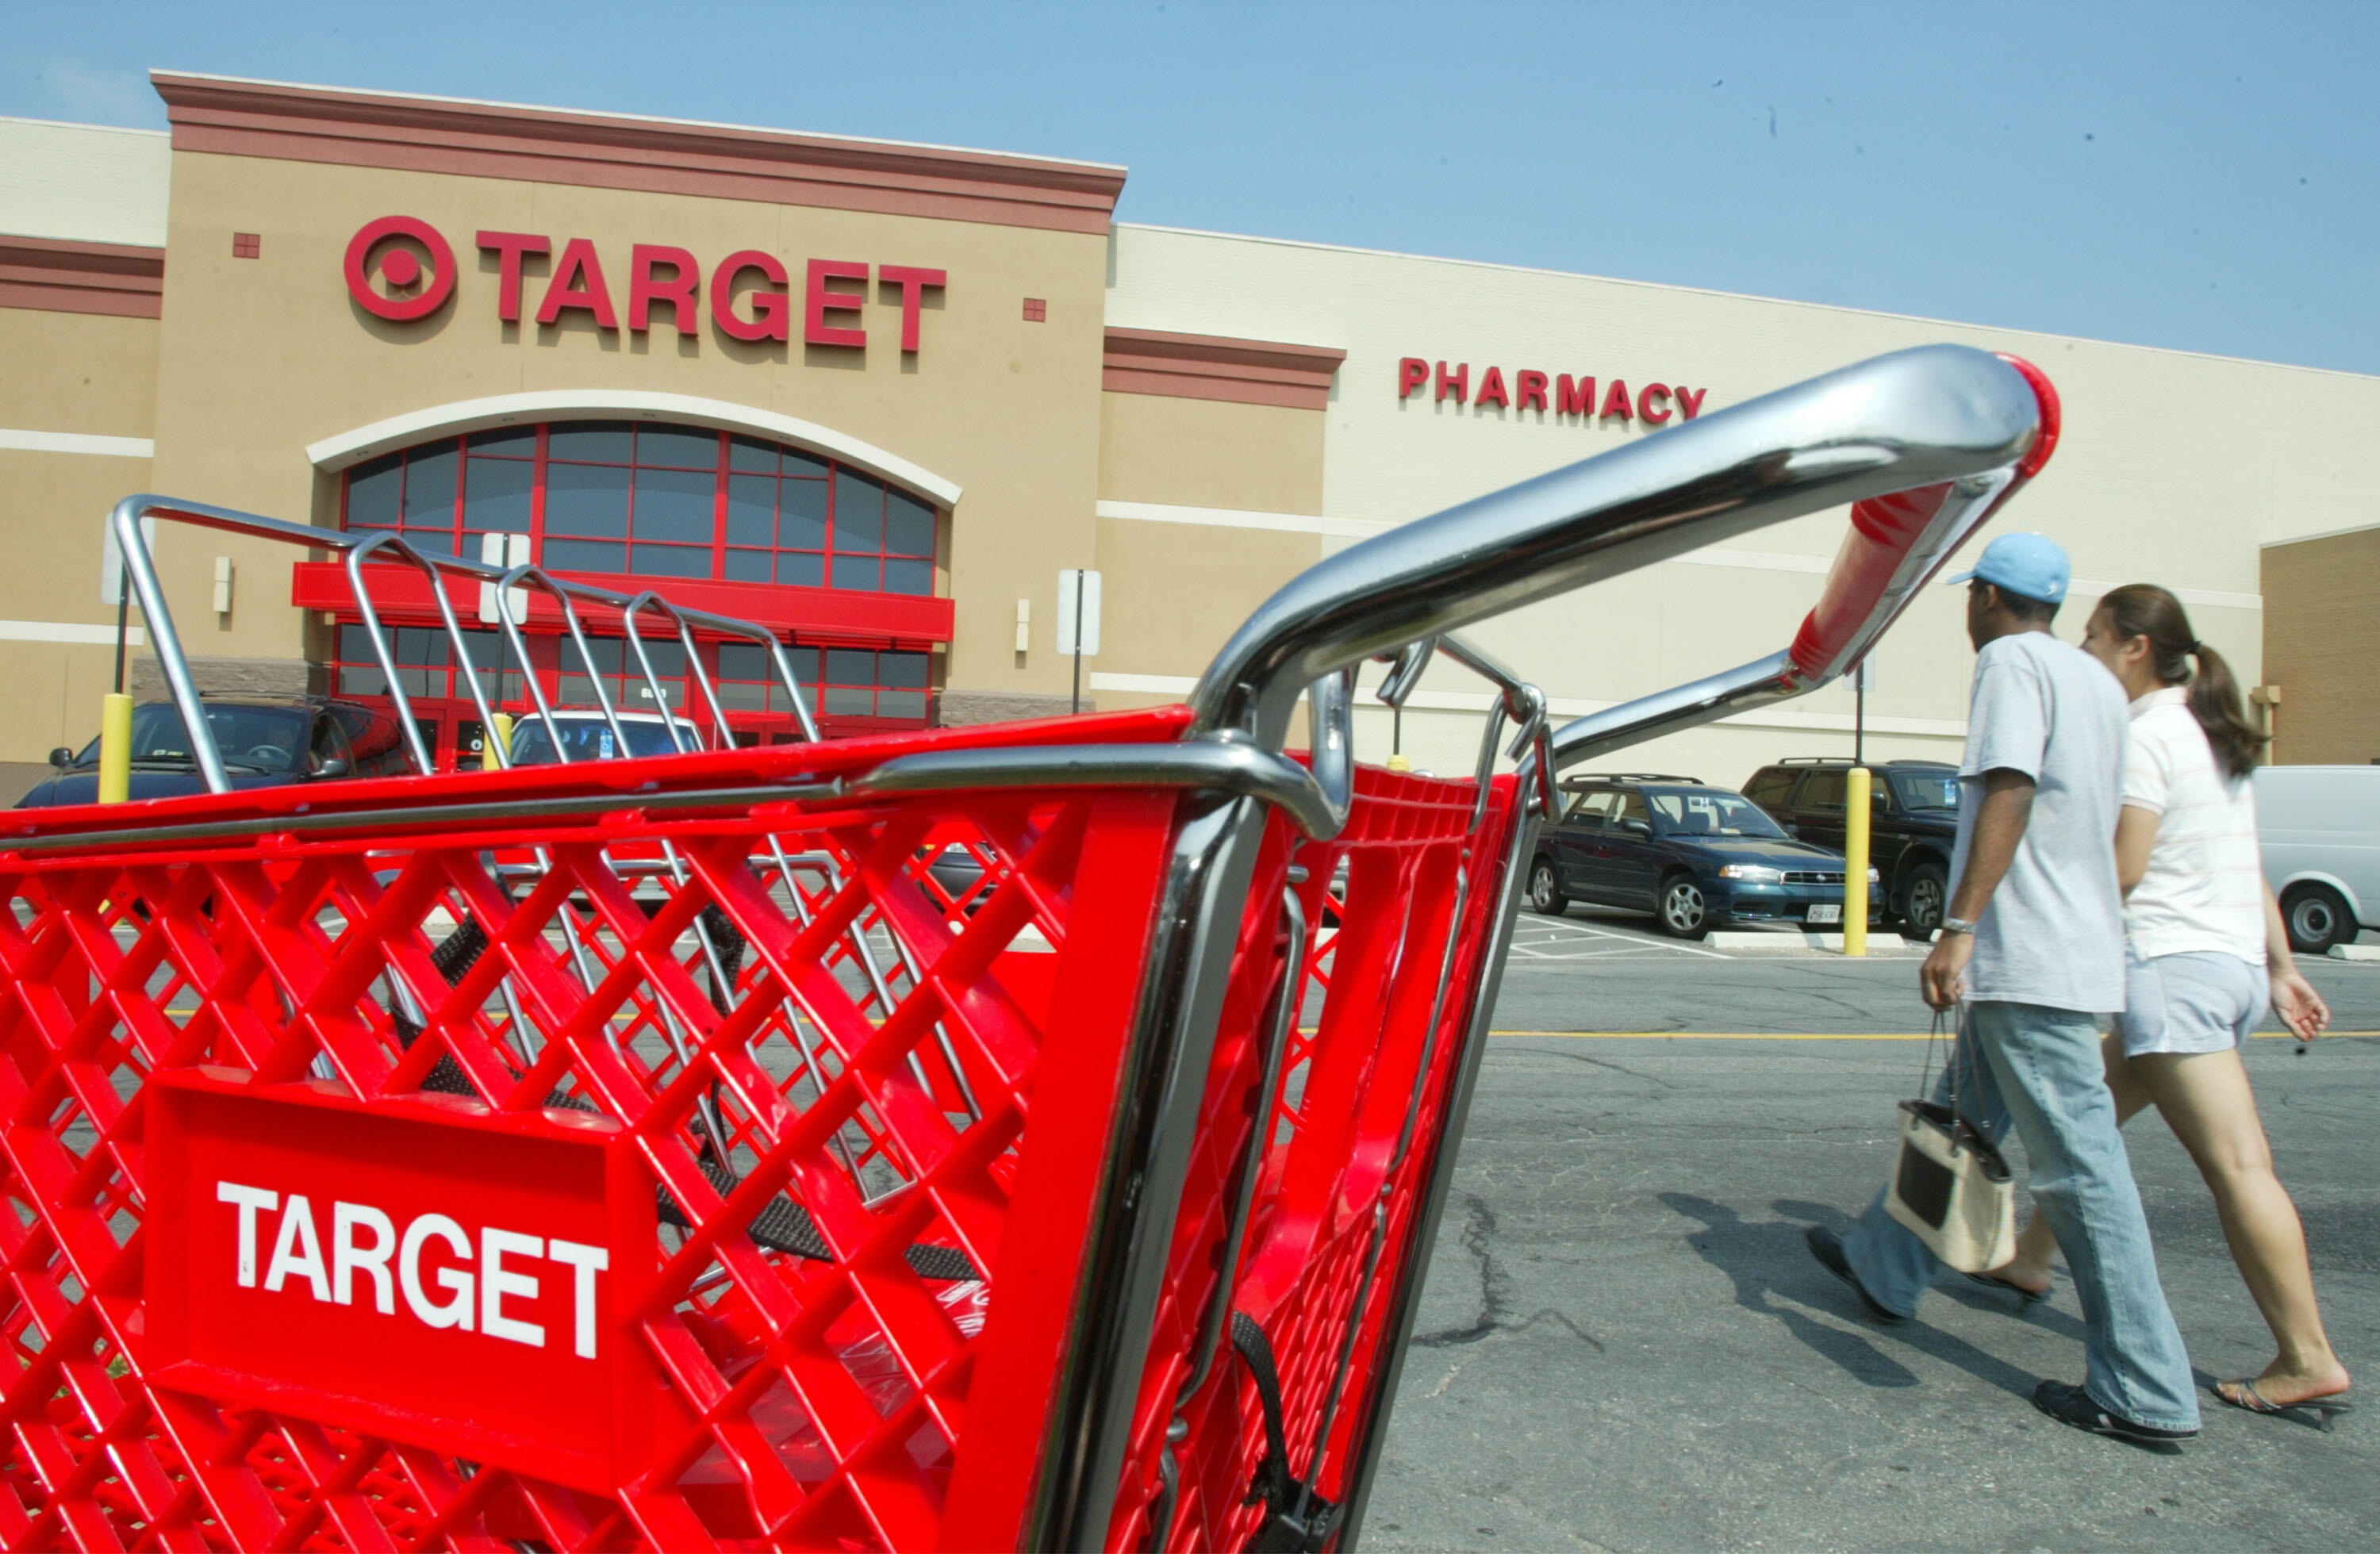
<point>641,499</point>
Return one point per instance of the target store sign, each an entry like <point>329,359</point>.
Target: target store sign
<point>403,269</point>
<point>427,1269</point>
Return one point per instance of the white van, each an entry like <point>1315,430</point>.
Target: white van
<point>2321,830</point>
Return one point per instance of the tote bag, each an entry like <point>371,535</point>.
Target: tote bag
<point>1950,1187</point>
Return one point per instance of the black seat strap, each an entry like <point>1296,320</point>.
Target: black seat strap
<point>1297,1520</point>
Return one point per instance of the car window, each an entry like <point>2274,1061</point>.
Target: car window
<point>1772,789</point>
<point>1821,790</point>
<point>1630,807</point>
<point>249,738</point>
<point>1591,809</point>
<point>329,744</point>
<point>378,748</point>
<point>1708,812</point>
<point>1936,790</point>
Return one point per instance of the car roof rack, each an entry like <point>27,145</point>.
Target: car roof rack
<point>1846,760</point>
<point>1589,779</point>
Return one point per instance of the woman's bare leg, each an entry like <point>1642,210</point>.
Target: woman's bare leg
<point>2206,1099</point>
<point>2029,1270</point>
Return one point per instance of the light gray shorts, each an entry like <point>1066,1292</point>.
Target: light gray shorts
<point>2199,1001</point>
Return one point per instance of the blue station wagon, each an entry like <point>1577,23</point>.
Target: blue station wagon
<point>1694,855</point>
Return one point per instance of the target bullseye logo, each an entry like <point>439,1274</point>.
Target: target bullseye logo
<point>399,267</point>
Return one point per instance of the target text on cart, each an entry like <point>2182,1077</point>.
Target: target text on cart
<point>363,1240</point>
<point>424,1268</point>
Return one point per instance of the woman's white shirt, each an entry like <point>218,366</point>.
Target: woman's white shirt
<point>2204,888</point>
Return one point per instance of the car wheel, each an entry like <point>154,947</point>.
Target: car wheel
<point>1544,890</point>
<point>1683,913</point>
<point>2317,919</point>
<point>1921,906</point>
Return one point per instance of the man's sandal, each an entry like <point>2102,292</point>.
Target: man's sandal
<point>2315,1413</point>
<point>2072,1405</point>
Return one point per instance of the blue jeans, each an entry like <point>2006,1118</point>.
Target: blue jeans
<point>2042,1069</point>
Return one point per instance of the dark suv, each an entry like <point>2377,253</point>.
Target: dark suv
<point>266,741</point>
<point>1913,824</point>
<point>1694,855</point>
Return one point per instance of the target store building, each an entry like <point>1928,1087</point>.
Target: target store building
<point>877,396</point>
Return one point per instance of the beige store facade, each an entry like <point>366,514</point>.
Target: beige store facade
<point>878,396</point>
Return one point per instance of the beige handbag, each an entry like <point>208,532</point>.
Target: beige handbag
<point>1950,1187</point>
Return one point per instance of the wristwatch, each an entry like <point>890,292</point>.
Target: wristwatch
<point>1957,925</point>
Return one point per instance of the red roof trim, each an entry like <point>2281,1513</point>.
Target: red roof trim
<point>1217,367</point>
<point>51,276</point>
<point>602,150</point>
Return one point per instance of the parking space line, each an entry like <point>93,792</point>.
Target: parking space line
<point>1558,930</point>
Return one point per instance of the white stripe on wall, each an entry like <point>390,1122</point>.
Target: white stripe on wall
<point>1753,560</point>
<point>67,631</point>
<point>1234,517</point>
<point>77,443</point>
<point>2216,597</point>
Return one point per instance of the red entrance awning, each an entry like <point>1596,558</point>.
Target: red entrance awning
<point>831,616</point>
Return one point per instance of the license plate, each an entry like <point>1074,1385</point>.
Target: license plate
<point>1826,914</point>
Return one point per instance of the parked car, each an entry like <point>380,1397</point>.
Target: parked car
<point>1913,824</point>
<point>1692,854</point>
<point>2320,826</point>
<point>585,734</point>
<point>265,742</point>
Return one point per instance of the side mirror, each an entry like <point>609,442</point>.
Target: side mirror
<point>62,757</point>
<point>1637,828</point>
<point>335,767</point>
<point>1790,829</point>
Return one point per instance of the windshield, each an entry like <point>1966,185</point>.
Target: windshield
<point>592,739</point>
<point>270,739</point>
<point>1708,812</point>
<point>1927,790</point>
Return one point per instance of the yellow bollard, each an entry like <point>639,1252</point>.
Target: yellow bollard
<point>497,738</point>
<point>1856,807</point>
<point>114,748</point>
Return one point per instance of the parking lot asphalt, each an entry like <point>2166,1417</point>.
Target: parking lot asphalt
<point>1623,1344</point>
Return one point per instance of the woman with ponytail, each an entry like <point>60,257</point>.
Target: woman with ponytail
<point>2205,951</point>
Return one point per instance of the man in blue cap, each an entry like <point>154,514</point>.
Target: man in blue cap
<point>2033,944</point>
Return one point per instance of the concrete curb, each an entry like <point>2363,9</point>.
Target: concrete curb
<point>1802,942</point>
<point>2337,952</point>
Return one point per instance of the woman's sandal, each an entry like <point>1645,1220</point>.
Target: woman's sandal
<point>2025,1299</point>
<point>2315,1413</point>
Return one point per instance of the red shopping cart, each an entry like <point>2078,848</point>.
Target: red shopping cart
<point>678,1153</point>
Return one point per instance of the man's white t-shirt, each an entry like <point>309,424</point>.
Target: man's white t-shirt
<point>2054,932</point>
<point>2204,888</point>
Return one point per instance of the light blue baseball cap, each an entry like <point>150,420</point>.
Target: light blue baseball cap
<point>2030,565</point>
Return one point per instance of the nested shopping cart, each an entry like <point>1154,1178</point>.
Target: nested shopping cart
<point>1030,1135</point>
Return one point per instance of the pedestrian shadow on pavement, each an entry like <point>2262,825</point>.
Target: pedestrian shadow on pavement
<point>1951,1286</point>
<point>1752,1255</point>
<point>1919,1335</point>
<point>1765,1259</point>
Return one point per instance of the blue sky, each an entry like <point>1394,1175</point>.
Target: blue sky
<point>2199,177</point>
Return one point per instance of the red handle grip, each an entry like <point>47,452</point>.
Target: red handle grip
<point>1885,527</point>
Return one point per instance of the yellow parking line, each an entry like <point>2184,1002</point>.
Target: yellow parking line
<point>1707,1036</point>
